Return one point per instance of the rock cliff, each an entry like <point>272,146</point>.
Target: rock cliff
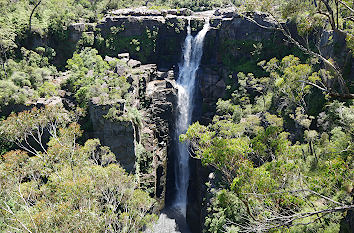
<point>140,146</point>
<point>149,44</point>
<point>155,38</point>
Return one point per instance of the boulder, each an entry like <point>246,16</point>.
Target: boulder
<point>123,56</point>
<point>134,63</point>
<point>49,101</point>
<point>108,59</point>
<point>225,12</point>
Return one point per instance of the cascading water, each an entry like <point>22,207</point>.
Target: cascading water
<point>192,54</point>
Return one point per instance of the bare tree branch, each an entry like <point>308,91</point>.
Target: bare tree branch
<point>30,18</point>
<point>279,27</point>
<point>346,6</point>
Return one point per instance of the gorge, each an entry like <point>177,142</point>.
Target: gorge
<point>229,45</point>
<point>169,120</point>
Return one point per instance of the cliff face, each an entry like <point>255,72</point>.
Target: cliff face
<point>159,114</point>
<point>155,38</point>
<point>118,135</point>
<point>140,145</point>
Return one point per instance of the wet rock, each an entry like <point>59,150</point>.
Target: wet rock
<point>165,75</point>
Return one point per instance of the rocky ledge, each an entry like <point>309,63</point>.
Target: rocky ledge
<point>140,146</point>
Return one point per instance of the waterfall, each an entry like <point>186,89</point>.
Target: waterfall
<point>192,54</point>
<point>173,219</point>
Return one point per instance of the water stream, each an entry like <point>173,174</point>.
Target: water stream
<point>173,218</point>
<point>192,54</point>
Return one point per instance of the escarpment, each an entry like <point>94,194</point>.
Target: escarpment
<point>148,45</point>
<point>140,142</point>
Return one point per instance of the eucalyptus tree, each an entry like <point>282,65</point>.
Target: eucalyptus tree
<point>62,186</point>
<point>313,18</point>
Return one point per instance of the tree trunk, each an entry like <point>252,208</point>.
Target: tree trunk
<point>30,18</point>
<point>337,13</point>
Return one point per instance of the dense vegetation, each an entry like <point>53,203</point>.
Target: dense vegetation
<point>65,187</point>
<point>51,178</point>
<point>280,145</point>
<point>277,167</point>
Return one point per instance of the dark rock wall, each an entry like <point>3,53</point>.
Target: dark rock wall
<point>196,195</point>
<point>157,37</point>
<point>154,94</point>
<point>127,33</point>
<point>160,106</point>
<point>119,136</point>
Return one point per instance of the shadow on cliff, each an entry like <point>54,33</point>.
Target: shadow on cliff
<point>181,222</point>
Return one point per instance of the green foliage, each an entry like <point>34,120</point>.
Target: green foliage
<point>252,142</point>
<point>261,173</point>
<point>66,186</point>
<point>134,115</point>
<point>249,53</point>
<point>291,79</point>
<point>142,47</point>
<point>91,76</point>
<point>311,19</point>
<point>48,89</point>
<point>86,40</point>
<point>178,27</point>
<point>20,80</point>
<point>350,42</point>
<point>144,169</point>
<point>131,114</point>
<point>30,125</point>
<point>224,205</point>
<point>198,5</point>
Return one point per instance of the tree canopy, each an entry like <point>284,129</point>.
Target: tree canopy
<point>275,172</point>
<point>64,186</point>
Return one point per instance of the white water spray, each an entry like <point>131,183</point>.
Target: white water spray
<point>192,54</point>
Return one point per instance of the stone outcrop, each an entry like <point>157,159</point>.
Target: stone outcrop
<point>139,37</point>
<point>154,94</point>
<point>119,136</point>
<point>156,36</point>
<point>144,11</point>
<point>38,103</point>
<point>158,121</point>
